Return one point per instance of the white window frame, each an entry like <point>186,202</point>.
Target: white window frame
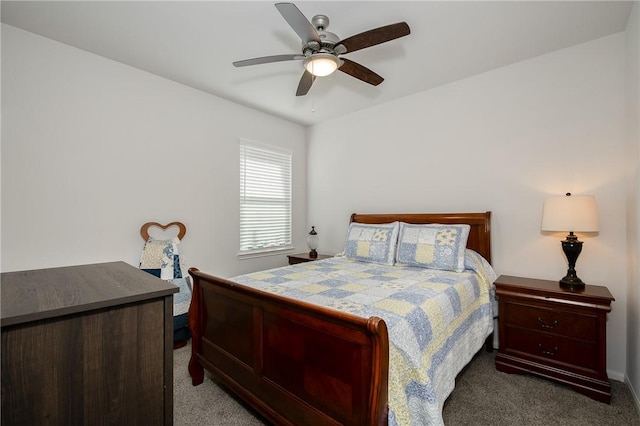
<point>276,193</point>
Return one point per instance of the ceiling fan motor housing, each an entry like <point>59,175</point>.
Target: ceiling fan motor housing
<point>327,39</point>
<point>327,44</point>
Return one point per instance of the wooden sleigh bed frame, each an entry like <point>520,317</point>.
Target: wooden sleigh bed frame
<point>298,363</point>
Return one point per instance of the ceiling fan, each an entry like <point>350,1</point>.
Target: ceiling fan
<point>321,49</point>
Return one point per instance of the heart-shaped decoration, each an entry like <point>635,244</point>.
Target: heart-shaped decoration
<point>144,230</point>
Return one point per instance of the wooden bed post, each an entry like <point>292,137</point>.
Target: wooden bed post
<point>379,387</point>
<point>195,368</point>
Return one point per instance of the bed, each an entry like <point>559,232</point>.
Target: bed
<point>326,360</point>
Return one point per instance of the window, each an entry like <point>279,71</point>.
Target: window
<point>265,198</point>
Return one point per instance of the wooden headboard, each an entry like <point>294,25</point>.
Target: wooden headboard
<point>479,236</point>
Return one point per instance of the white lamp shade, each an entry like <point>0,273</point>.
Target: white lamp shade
<point>321,64</point>
<point>313,242</point>
<point>313,239</point>
<point>571,213</point>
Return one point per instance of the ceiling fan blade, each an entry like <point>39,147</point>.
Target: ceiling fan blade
<point>266,60</point>
<point>305,83</point>
<point>298,22</point>
<point>360,72</point>
<point>375,36</point>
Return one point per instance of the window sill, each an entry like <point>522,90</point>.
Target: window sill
<point>265,252</point>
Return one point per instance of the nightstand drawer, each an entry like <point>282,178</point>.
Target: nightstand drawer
<point>563,323</point>
<point>573,354</point>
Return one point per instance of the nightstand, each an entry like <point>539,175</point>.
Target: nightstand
<point>555,333</point>
<point>304,257</point>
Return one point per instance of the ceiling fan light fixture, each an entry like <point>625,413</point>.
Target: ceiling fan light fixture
<point>321,64</point>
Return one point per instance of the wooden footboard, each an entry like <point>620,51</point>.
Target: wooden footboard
<point>296,363</point>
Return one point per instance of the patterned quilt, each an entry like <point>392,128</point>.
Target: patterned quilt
<point>162,259</point>
<point>437,320</point>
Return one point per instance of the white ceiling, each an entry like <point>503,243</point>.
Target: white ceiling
<point>194,43</point>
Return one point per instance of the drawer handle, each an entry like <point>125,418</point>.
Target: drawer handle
<point>543,324</point>
<point>544,351</point>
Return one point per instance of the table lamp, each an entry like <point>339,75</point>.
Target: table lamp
<point>572,213</point>
<point>312,242</point>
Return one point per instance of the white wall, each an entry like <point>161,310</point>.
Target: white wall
<point>500,141</point>
<point>633,201</point>
<point>92,149</point>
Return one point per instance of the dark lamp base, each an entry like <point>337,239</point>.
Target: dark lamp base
<point>572,283</point>
<point>572,248</point>
<point>313,254</point>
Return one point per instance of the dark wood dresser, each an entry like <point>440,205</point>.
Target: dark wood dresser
<point>87,345</point>
<point>555,333</point>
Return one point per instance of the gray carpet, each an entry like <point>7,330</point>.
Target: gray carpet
<point>483,396</point>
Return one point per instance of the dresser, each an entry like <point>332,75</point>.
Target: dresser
<point>87,345</point>
<point>555,333</point>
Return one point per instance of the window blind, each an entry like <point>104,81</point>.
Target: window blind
<point>265,198</point>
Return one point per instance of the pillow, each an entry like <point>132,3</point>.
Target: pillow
<point>372,243</point>
<point>433,246</point>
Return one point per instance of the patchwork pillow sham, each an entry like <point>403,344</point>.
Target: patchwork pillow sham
<point>433,246</point>
<point>375,243</point>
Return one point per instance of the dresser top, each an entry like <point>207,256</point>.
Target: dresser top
<point>46,293</point>
<point>551,289</point>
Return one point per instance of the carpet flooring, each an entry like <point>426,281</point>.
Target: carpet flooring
<point>482,396</point>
